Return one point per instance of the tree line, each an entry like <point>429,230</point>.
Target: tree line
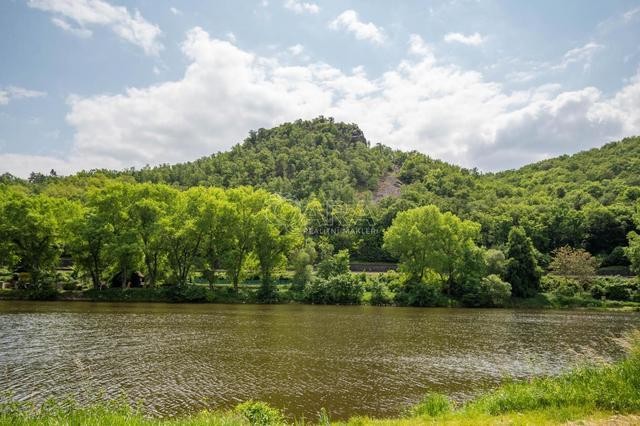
<point>119,227</point>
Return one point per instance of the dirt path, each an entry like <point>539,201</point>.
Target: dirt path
<point>389,186</point>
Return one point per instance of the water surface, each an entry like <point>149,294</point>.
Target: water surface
<point>351,360</point>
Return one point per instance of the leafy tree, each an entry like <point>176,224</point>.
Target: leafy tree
<point>247,203</point>
<point>427,240</point>
<point>496,262</point>
<point>213,220</point>
<point>578,263</point>
<point>32,230</point>
<point>302,263</point>
<point>335,264</point>
<point>182,235</point>
<point>279,228</point>
<point>489,292</point>
<point>522,271</point>
<point>147,213</point>
<point>90,234</point>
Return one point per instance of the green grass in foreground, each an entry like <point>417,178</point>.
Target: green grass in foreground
<point>595,392</point>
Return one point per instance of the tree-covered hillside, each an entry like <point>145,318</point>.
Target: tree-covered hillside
<point>584,200</point>
<point>321,157</point>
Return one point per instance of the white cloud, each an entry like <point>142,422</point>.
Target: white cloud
<point>422,104</point>
<point>77,31</point>
<point>417,46</point>
<point>349,21</point>
<point>474,39</point>
<point>580,54</point>
<point>11,93</point>
<point>296,49</point>
<point>85,13</point>
<point>630,15</point>
<point>299,7</point>
<point>175,11</point>
<point>231,37</point>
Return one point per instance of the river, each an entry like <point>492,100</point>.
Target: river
<point>180,359</point>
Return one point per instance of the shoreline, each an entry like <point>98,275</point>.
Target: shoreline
<point>245,296</point>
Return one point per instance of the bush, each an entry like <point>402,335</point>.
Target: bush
<point>340,289</point>
<point>561,286</point>
<point>616,258</point>
<point>432,405</point>
<point>337,264</point>
<point>379,293</point>
<point>71,286</point>
<point>260,413</point>
<point>491,291</point>
<point>615,288</point>
<point>188,293</point>
<point>421,294</point>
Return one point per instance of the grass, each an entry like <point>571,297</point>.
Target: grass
<point>594,392</point>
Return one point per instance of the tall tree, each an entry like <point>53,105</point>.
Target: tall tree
<point>427,240</point>
<point>278,230</point>
<point>246,204</point>
<point>151,205</point>
<point>32,230</point>
<point>523,272</point>
<point>182,235</point>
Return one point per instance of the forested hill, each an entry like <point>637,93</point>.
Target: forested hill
<point>614,163</point>
<point>321,157</point>
<point>584,200</point>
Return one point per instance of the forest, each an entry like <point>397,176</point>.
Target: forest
<point>287,211</point>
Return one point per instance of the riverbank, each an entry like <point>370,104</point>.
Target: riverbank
<point>594,392</point>
<point>249,294</point>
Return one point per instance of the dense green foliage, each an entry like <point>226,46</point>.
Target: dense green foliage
<point>321,157</point>
<point>116,228</point>
<point>196,221</point>
<point>522,270</point>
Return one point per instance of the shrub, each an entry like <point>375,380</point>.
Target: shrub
<point>561,286</point>
<point>433,404</point>
<point>615,288</point>
<point>340,289</point>
<point>70,286</point>
<point>379,293</point>
<point>491,291</point>
<point>337,264</point>
<point>616,258</point>
<point>421,294</point>
<point>188,293</point>
<point>260,413</point>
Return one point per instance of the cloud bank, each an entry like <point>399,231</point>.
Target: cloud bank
<point>421,104</point>
<point>76,16</point>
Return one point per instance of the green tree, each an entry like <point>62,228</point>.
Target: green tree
<point>213,219</point>
<point>279,229</point>
<point>571,262</point>
<point>246,203</point>
<point>633,251</point>
<point>147,213</point>
<point>182,235</point>
<point>426,240</point>
<point>90,234</point>
<point>522,271</point>
<point>31,227</point>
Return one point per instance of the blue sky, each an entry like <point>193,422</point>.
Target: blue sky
<point>481,83</point>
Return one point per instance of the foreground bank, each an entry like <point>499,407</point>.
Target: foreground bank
<point>598,392</point>
<point>369,294</point>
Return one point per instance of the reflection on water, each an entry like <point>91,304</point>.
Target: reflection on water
<point>350,360</point>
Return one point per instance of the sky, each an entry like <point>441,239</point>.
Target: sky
<point>480,83</point>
